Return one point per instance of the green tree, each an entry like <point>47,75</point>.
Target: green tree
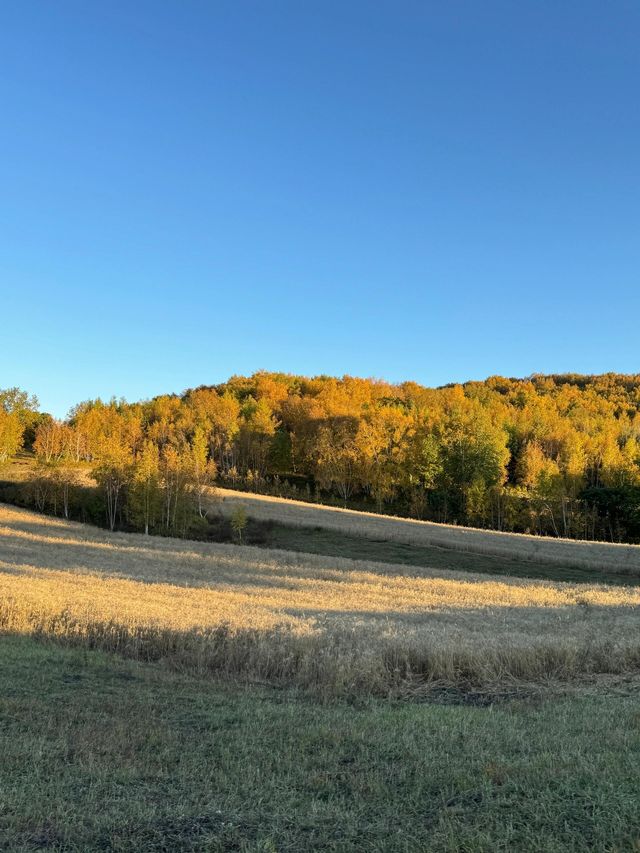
<point>422,468</point>
<point>11,435</point>
<point>203,469</point>
<point>475,455</point>
<point>239,521</point>
<point>144,496</point>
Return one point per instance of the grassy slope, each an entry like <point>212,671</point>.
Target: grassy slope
<point>331,530</point>
<point>620,558</point>
<point>316,540</point>
<point>330,624</point>
<point>103,754</point>
<point>334,542</point>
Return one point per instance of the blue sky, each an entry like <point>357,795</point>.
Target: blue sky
<point>427,191</point>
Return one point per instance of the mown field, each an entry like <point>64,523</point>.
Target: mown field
<point>103,754</point>
<point>338,543</point>
<point>621,559</point>
<point>334,625</point>
<point>160,694</point>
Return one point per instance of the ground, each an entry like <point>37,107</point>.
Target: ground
<point>99,753</point>
<point>316,540</point>
<point>165,695</point>
<point>330,624</point>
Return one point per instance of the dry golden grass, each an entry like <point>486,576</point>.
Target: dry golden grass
<point>332,624</point>
<point>620,558</point>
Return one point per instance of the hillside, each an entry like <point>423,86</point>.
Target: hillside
<point>617,558</point>
<point>162,694</point>
<point>289,524</point>
<point>547,455</point>
<point>331,624</point>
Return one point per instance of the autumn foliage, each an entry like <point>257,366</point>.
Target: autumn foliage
<point>554,455</point>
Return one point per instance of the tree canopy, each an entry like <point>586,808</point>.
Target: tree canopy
<point>557,455</point>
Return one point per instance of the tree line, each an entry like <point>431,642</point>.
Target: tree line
<point>554,455</point>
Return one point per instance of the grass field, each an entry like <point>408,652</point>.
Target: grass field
<point>102,754</point>
<point>332,530</point>
<point>336,543</point>
<point>617,558</point>
<point>335,625</point>
<point>166,695</point>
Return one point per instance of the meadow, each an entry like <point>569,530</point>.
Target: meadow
<point>98,753</point>
<point>336,626</point>
<point>621,559</point>
<point>159,694</point>
<point>313,527</point>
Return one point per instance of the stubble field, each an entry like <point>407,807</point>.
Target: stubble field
<point>334,625</point>
<point>165,695</point>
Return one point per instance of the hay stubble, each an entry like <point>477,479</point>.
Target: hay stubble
<point>330,624</point>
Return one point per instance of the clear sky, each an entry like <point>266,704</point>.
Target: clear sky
<point>428,191</point>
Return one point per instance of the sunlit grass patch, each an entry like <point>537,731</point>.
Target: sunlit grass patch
<point>325,623</point>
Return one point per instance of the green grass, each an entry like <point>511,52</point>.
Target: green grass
<point>97,753</point>
<point>333,543</point>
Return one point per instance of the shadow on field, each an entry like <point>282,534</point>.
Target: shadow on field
<point>53,545</point>
<point>289,540</point>
<point>343,659</point>
<point>234,567</point>
<point>533,617</point>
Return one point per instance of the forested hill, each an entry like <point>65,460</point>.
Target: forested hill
<point>557,455</point>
